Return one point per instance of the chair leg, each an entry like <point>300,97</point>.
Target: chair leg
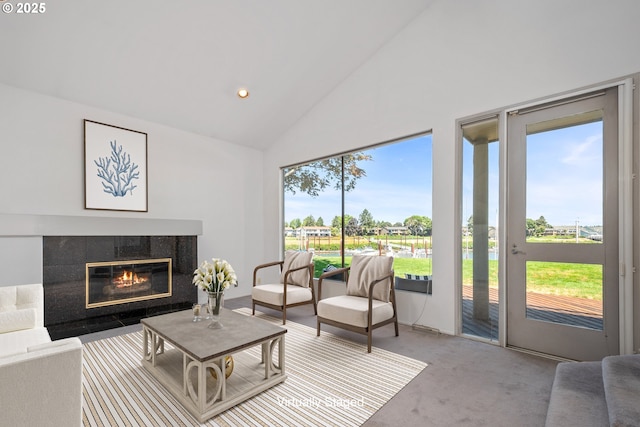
<point>284,315</point>
<point>318,327</point>
<point>253,312</point>
<point>369,341</point>
<point>396,323</point>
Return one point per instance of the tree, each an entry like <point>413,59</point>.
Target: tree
<point>320,222</point>
<point>295,223</point>
<point>366,222</point>
<point>336,226</point>
<point>419,225</point>
<point>382,224</point>
<point>470,225</point>
<point>541,226</point>
<point>309,221</point>
<point>537,227</point>
<point>314,177</point>
<point>337,221</point>
<point>351,227</point>
<point>542,222</point>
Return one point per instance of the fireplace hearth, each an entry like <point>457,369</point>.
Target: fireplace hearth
<point>93,283</point>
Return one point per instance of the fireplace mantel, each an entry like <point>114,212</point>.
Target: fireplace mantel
<point>13,225</point>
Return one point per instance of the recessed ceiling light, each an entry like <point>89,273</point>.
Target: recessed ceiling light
<point>243,93</point>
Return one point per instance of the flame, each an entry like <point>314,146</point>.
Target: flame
<point>128,278</point>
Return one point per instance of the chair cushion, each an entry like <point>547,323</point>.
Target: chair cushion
<point>364,270</point>
<point>274,294</point>
<point>295,259</point>
<point>352,310</point>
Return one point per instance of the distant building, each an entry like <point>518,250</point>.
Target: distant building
<point>395,231</point>
<point>309,231</point>
<point>593,232</point>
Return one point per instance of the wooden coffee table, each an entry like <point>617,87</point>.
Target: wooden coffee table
<point>184,367</point>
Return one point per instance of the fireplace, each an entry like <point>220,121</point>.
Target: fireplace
<point>111,283</point>
<point>93,283</point>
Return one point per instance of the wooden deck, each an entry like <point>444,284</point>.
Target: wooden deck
<point>549,308</point>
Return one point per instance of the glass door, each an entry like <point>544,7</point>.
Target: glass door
<point>480,233</point>
<point>562,273</point>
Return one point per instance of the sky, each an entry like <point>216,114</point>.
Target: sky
<point>397,185</point>
<point>564,181</point>
<point>564,175</point>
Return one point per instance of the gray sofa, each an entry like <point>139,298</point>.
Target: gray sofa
<point>605,393</point>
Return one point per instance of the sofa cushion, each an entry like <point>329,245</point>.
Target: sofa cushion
<point>364,270</point>
<point>19,341</point>
<point>44,387</point>
<point>274,294</point>
<point>352,310</point>
<point>295,259</point>
<point>621,379</point>
<point>53,344</point>
<point>17,320</point>
<point>577,396</point>
<point>23,296</point>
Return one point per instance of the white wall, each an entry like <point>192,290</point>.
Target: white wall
<point>191,177</point>
<point>21,260</point>
<point>456,59</point>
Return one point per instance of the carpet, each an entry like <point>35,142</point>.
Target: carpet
<point>331,381</point>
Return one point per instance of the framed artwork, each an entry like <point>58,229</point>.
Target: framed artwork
<point>115,168</point>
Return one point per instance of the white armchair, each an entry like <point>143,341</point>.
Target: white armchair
<point>369,302</point>
<point>294,288</point>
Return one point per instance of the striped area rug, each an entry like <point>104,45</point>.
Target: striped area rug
<point>331,381</point>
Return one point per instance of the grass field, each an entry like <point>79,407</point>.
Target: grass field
<point>555,278</point>
<point>575,280</point>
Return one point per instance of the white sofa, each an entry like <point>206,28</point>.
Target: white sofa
<point>40,379</point>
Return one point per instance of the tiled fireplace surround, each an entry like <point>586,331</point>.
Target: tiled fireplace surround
<point>64,274</point>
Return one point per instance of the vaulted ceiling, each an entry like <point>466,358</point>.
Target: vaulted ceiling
<point>180,63</point>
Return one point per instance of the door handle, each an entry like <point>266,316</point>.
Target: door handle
<point>515,250</point>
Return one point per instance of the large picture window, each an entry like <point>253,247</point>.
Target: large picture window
<point>376,201</point>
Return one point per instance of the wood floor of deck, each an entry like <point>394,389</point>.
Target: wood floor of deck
<point>578,312</point>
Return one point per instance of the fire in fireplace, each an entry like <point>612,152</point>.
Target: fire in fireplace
<point>118,282</point>
<point>128,279</point>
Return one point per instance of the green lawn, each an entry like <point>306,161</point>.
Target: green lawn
<point>576,280</point>
<point>550,278</point>
<point>555,278</point>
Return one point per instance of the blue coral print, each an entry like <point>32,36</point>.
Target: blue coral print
<point>117,172</point>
